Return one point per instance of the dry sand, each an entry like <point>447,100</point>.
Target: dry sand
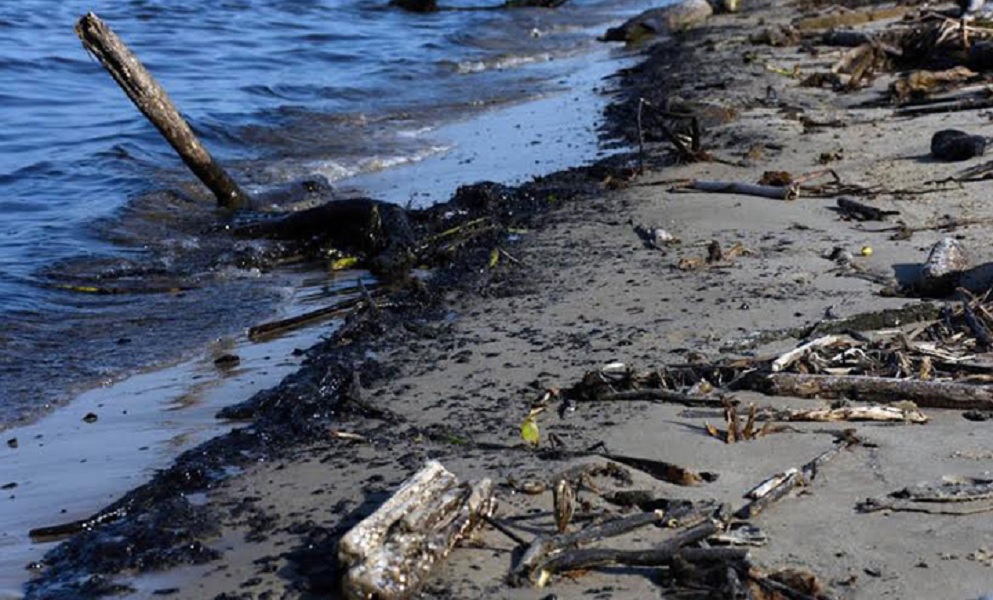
<point>588,292</point>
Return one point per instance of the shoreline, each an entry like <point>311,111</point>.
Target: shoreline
<point>459,367</point>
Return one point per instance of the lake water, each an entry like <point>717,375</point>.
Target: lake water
<point>399,105</point>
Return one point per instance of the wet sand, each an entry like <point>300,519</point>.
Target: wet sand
<point>587,292</point>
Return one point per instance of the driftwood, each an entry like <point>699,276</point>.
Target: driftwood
<point>946,259</point>
<point>544,546</point>
<point>926,394</point>
<point>953,496</point>
<point>153,102</point>
<point>771,493</point>
<point>860,413</point>
<point>779,486</point>
<point>390,553</point>
<point>586,558</point>
<point>848,19</point>
<point>947,107</point>
<point>54,533</point>
<point>270,329</point>
<point>778,192</point>
<point>740,534</point>
<point>947,269</point>
<point>803,350</point>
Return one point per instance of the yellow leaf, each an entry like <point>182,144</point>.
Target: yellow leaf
<point>346,262</point>
<point>529,431</point>
<point>494,257</point>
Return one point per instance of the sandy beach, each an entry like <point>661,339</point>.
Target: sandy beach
<point>454,377</point>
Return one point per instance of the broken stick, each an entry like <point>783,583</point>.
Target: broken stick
<point>153,102</point>
<point>592,557</point>
<point>778,192</point>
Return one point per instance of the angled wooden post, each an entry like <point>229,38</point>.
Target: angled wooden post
<point>153,102</point>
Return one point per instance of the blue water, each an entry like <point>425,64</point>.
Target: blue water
<point>273,88</point>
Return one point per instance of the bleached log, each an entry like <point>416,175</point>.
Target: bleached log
<point>861,413</point>
<point>390,553</point>
<point>778,192</point>
<point>925,394</point>
<point>800,352</point>
<point>587,558</point>
<point>767,486</point>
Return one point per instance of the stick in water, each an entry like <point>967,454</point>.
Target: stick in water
<point>153,102</point>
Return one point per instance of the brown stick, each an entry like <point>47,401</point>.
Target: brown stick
<point>926,394</point>
<point>153,102</point>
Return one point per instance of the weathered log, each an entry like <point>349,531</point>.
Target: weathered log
<point>390,553</point>
<point>926,394</point>
<point>153,102</point>
<point>544,546</point>
<point>860,413</point>
<point>770,496</point>
<point>778,192</point>
<point>593,557</point>
<point>946,259</point>
<point>967,495</point>
<point>947,107</point>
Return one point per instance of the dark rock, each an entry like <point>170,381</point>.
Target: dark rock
<point>955,145</point>
<point>227,361</point>
<point>90,418</point>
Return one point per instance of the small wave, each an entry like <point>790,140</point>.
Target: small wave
<point>338,170</point>
<point>499,63</point>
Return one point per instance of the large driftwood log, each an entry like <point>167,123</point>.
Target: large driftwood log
<point>892,414</point>
<point>153,102</point>
<point>926,394</point>
<point>390,553</point>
